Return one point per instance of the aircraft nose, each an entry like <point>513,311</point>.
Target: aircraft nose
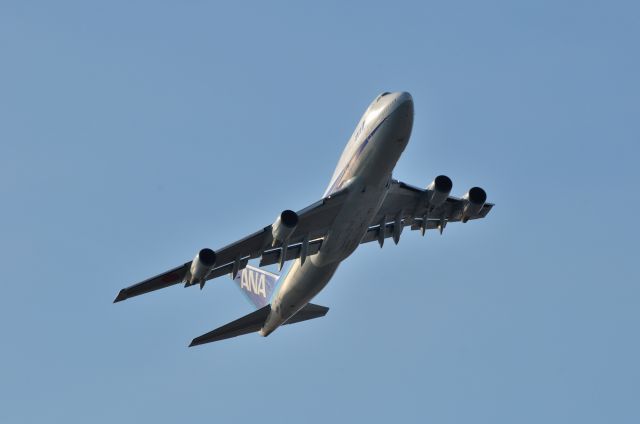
<point>402,112</point>
<point>402,97</point>
<point>401,100</point>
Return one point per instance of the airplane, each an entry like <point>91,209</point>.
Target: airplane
<point>362,204</point>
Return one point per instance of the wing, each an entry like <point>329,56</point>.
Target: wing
<point>407,205</point>
<point>313,224</point>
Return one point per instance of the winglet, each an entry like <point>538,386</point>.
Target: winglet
<point>122,295</point>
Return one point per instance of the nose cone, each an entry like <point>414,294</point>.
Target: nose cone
<point>402,97</point>
<point>401,113</point>
<point>401,100</point>
<point>387,103</point>
<point>403,103</point>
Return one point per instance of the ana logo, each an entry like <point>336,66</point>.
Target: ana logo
<point>254,282</point>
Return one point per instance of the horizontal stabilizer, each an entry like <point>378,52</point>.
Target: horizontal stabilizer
<point>254,321</point>
<point>245,325</point>
<point>310,311</point>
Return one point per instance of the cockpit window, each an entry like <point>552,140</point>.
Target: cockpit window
<point>381,96</point>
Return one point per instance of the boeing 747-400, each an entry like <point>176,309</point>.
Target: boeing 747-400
<point>362,204</point>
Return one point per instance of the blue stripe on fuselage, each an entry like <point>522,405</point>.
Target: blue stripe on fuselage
<point>337,185</point>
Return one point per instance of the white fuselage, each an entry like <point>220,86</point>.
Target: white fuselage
<point>364,170</point>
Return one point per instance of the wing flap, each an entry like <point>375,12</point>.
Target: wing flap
<point>272,256</point>
<point>373,232</point>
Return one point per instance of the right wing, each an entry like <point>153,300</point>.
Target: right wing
<point>313,223</point>
<point>406,205</point>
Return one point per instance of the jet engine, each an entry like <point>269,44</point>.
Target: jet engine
<point>284,226</point>
<point>204,262</point>
<point>473,200</point>
<point>440,189</point>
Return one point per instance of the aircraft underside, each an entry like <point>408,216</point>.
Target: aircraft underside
<point>362,204</point>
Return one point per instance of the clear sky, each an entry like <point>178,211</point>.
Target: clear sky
<point>133,134</point>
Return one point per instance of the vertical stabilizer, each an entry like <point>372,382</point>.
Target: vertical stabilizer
<point>257,284</point>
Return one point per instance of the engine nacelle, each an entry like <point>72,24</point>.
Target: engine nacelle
<point>474,200</point>
<point>284,226</point>
<point>201,265</point>
<point>440,189</point>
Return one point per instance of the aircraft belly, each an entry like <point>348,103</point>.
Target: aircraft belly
<point>301,284</point>
<point>367,184</point>
<point>304,281</point>
<point>351,224</point>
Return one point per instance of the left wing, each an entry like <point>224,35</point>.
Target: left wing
<point>313,222</point>
<point>407,205</point>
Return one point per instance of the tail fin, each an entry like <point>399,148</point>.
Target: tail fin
<point>257,284</point>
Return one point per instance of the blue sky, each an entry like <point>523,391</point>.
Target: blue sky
<point>133,134</point>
